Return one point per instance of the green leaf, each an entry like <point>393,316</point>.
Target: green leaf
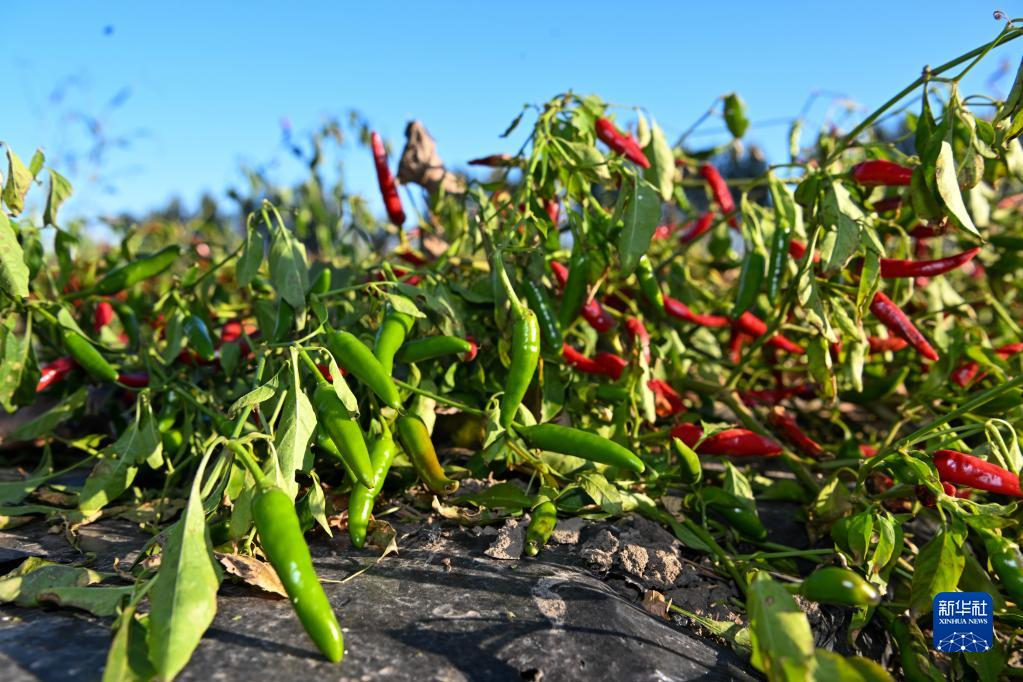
<point>827,666</point>
<point>60,190</point>
<point>588,158</point>
<point>99,601</point>
<point>15,362</point>
<point>948,188</point>
<point>34,575</point>
<point>183,599</point>
<point>402,304</point>
<point>294,430</point>
<point>256,396</point>
<point>937,569</point>
<point>842,218</point>
<point>13,270</point>
<point>735,115</point>
<point>288,267</point>
<point>780,633</point>
<point>19,179</point>
<point>35,164</point>
<point>641,213</point>
<point>507,496</point>
<point>127,660</point>
<point>317,503</point>
<point>251,258</point>
<point>45,423</point>
<point>120,461</point>
<point>661,173</point>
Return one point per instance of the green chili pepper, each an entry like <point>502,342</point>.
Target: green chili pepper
<point>281,537</point>
<point>129,321</point>
<point>172,440</point>
<point>538,302</point>
<point>324,442</point>
<point>914,654</point>
<point>751,279</point>
<point>574,293</point>
<point>140,269</point>
<point>1007,563</point>
<point>589,446</point>
<point>284,323</point>
<point>87,356</point>
<point>525,354</point>
<point>199,339</point>
<point>360,502</point>
<point>335,419</point>
<point>612,393</point>
<point>432,347</point>
<point>779,260</point>
<point>390,336</point>
<point>690,470</point>
<point>321,284</point>
<point>835,585</point>
<point>541,525</point>
<point>415,439</point>
<point>741,517</point>
<point>648,284</point>
<point>360,361</point>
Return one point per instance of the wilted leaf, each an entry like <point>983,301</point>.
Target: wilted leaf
<point>253,571</point>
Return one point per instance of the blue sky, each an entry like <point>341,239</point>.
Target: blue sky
<point>201,87</point>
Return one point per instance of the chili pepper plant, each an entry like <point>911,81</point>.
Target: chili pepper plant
<point>604,321</point>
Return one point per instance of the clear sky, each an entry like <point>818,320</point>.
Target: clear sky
<point>196,88</point>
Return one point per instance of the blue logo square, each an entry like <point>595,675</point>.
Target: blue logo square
<point>963,622</point>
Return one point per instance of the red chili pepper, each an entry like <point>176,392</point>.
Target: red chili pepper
<point>387,186</point>
<point>962,469</point>
<point>719,190</point>
<point>473,351</point>
<point>134,379</point>
<point>700,227</point>
<point>681,311</point>
<point>621,143</point>
<point>612,365</point>
<point>880,172</point>
<point>494,161</point>
<point>879,344</point>
<point>868,450</point>
<point>597,317</point>
<point>750,324</point>
<point>663,232</point>
<point>412,258</point>
<point>966,372</point>
<point>53,372</point>
<point>580,362</point>
<point>553,209</point>
<point>592,311</point>
<point>786,423</point>
<point>897,267</point>
<point>104,315</point>
<point>560,273</point>
<point>927,498</point>
<point>798,248</point>
<point>637,331</point>
<point>925,231</point>
<point>668,401</point>
<point>735,343</point>
<point>887,204</point>
<point>727,443</point>
<point>892,317</point>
